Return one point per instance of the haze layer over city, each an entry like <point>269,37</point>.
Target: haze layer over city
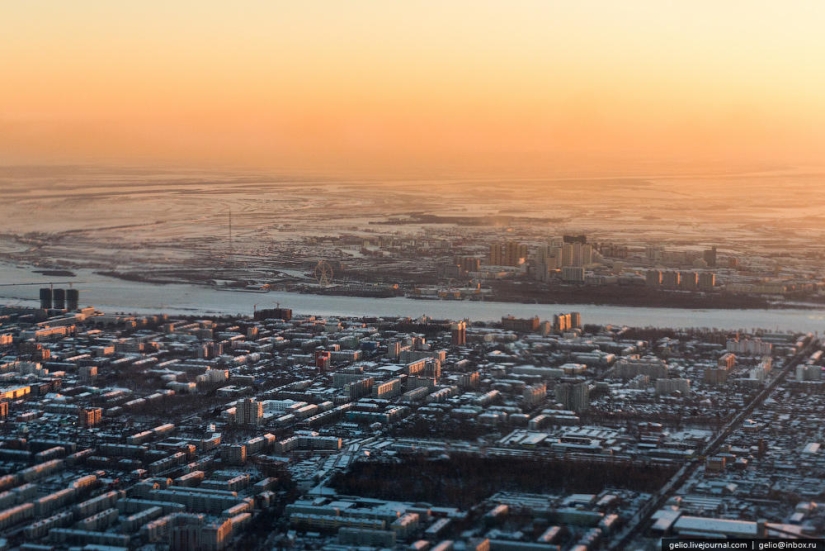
<point>460,275</point>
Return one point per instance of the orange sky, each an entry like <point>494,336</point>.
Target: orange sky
<point>354,84</point>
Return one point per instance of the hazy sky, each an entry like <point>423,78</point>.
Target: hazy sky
<point>353,83</point>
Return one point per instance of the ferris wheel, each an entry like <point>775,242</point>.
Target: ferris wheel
<point>323,273</point>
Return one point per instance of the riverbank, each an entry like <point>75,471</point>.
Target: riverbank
<point>509,291</point>
<point>624,295</point>
<point>115,295</point>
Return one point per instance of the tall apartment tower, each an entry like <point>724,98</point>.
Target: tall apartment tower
<point>653,278</point>
<point>90,417</point>
<point>567,255</point>
<point>510,253</point>
<point>459,334</point>
<point>581,255</point>
<point>575,397</point>
<point>249,411</point>
<point>671,279</point>
<point>534,395</point>
<point>467,264</point>
<point>495,254</point>
<point>548,259</point>
<point>562,322</point>
<point>575,320</point>
<point>707,281</point>
<point>688,281</point>
<point>514,253</point>
<point>576,254</point>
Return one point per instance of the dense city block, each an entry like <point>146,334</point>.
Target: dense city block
<point>278,430</point>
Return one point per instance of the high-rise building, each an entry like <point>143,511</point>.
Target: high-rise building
<point>459,333</point>
<point>548,259</point>
<point>671,280</point>
<point>575,254</point>
<point>514,253</point>
<point>496,255</point>
<point>45,298</point>
<point>566,255</point>
<point>234,454</point>
<point>573,396</point>
<point>724,365</point>
<point>393,349</point>
<point>249,411</point>
<point>582,255</point>
<point>510,253</point>
<point>612,250</point>
<point>688,281</point>
<point>59,299</point>
<point>469,380</point>
<point>90,417</point>
<point>653,278</point>
<point>525,325</point>
<point>72,299</point>
<point>323,360</point>
<point>562,322</point>
<point>87,373</point>
<point>575,320</point>
<point>707,281</point>
<point>467,264</point>
<point>534,395</point>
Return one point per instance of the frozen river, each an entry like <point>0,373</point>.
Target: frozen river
<point>113,295</point>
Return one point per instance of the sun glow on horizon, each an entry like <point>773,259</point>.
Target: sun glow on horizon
<point>363,83</point>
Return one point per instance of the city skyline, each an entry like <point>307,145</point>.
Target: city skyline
<point>372,88</point>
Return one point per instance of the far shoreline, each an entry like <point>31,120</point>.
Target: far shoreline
<point>621,296</point>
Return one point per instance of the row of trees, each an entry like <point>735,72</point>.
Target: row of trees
<point>463,481</point>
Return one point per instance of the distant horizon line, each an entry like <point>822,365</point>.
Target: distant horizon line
<point>666,169</point>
